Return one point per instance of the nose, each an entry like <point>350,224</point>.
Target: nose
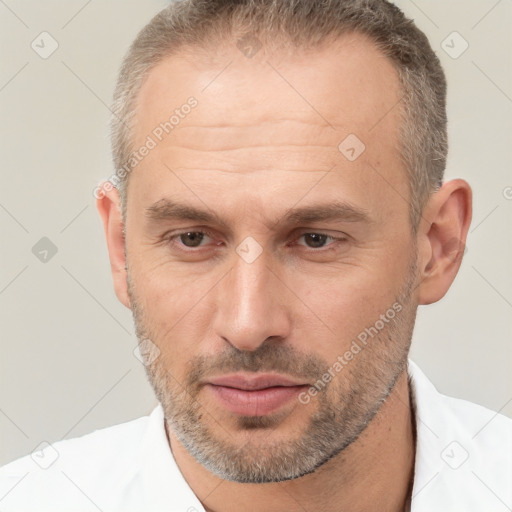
<point>251,305</point>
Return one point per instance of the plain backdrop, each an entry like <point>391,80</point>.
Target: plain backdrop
<point>67,363</point>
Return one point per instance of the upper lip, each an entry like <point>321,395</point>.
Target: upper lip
<point>253,382</point>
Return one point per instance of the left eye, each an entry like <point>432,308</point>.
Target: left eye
<point>316,240</point>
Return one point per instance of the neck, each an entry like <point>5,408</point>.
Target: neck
<point>377,468</point>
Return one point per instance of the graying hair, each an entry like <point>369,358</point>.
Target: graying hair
<point>204,25</point>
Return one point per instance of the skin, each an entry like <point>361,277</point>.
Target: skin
<point>263,140</point>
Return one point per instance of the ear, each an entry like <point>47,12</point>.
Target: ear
<point>442,239</point>
<point>109,208</point>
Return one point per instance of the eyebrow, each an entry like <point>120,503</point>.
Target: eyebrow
<point>334,211</point>
<point>165,209</point>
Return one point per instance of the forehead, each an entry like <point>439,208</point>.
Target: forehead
<point>276,111</point>
<point>344,85</point>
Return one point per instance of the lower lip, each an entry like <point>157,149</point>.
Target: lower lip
<point>256,402</point>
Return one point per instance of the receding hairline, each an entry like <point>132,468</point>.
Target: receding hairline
<point>272,44</point>
<point>217,60</point>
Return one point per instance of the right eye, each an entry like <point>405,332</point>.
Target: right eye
<point>188,239</point>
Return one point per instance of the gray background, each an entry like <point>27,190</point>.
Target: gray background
<point>67,365</point>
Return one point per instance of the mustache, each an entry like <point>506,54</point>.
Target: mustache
<point>268,357</point>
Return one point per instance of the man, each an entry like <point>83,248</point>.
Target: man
<point>279,214</point>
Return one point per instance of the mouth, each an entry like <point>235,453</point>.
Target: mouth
<point>254,395</point>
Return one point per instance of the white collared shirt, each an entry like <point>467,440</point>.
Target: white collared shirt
<point>463,464</point>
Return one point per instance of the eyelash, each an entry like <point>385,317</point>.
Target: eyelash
<point>170,240</point>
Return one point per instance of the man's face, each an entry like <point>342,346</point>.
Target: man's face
<point>303,249</point>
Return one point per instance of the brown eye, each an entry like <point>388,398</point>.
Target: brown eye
<point>315,239</point>
<point>191,238</point>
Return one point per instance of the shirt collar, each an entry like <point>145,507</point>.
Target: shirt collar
<point>163,483</point>
<point>456,467</point>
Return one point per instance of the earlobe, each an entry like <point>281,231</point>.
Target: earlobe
<point>109,209</point>
<point>442,236</point>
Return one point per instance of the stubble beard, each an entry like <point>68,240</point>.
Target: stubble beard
<point>345,407</point>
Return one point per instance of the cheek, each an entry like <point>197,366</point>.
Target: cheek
<point>345,303</point>
<point>175,307</point>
